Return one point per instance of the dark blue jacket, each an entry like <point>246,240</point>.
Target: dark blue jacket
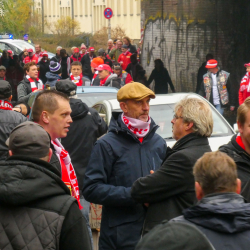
<point>52,79</point>
<point>117,160</point>
<point>224,218</point>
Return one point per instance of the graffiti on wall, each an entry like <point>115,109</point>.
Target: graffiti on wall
<point>181,44</point>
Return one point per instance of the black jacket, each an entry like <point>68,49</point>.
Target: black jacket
<point>86,68</point>
<point>108,62</point>
<point>223,218</point>
<point>171,189</point>
<point>8,121</point>
<point>132,49</point>
<point>242,160</point>
<point>37,209</point>
<point>86,128</point>
<point>201,72</point>
<point>117,160</point>
<point>162,80</point>
<point>44,68</point>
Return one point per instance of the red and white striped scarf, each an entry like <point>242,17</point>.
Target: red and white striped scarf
<point>136,126</point>
<point>33,84</point>
<point>77,80</point>
<point>68,172</point>
<point>5,105</point>
<point>125,53</point>
<point>245,83</point>
<point>240,142</point>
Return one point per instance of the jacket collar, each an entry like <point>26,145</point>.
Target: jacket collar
<point>238,149</point>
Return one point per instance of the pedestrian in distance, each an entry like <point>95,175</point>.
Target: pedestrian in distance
<point>110,46</point>
<point>44,219</point>
<point>170,189</point>
<point>31,57</point>
<point>43,65</point>
<point>94,65</point>
<point>39,53</point>
<point>221,212</point>
<point>76,56</point>
<point>10,54</point>
<point>161,77</point>
<point>57,57</point>
<point>73,50</point>
<point>5,59</point>
<point>86,128</point>
<point>128,151</point>
<point>52,111</point>
<point>22,55</point>
<point>76,75</point>
<point>217,87</point>
<point>244,90</point>
<point>9,119</point>
<point>201,72</point>
<point>65,62</point>
<point>86,61</point>
<point>54,74</point>
<point>116,52</point>
<point>125,76</point>
<point>124,58</point>
<point>131,48</point>
<point>83,50</point>
<point>2,73</point>
<point>30,83</point>
<point>102,54</point>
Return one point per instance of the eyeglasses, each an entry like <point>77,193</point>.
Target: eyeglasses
<point>175,117</point>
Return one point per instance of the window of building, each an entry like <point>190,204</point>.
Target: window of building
<point>125,5</point>
<point>86,7</point>
<point>131,7</point>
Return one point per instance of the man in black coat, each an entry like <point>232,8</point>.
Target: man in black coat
<point>221,213</point>
<point>86,61</point>
<point>37,210</point>
<point>170,189</point>
<point>239,148</point>
<point>128,151</point>
<point>43,65</point>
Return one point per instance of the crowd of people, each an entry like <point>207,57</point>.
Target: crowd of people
<point>152,196</point>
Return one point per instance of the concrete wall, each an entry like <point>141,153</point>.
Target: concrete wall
<point>89,13</point>
<point>182,32</point>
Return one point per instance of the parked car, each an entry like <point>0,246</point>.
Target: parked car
<point>89,95</point>
<point>162,111</point>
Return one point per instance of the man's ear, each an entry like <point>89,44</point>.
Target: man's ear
<point>50,154</point>
<point>240,127</point>
<point>189,126</point>
<point>10,98</point>
<point>10,153</point>
<point>238,186</point>
<point>45,117</point>
<point>123,106</point>
<point>198,191</point>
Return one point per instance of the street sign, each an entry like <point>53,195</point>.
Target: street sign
<point>108,13</point>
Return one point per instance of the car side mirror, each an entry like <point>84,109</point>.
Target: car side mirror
<point>236,130</point>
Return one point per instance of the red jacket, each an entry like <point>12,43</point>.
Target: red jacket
<point>244,90</point>
<point>126,77</point>
<point>27,59</point>
<point>125,59</point>
<point>75,59</point>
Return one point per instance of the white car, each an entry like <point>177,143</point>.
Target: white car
<point>162,111</point>
<point>17,46</point>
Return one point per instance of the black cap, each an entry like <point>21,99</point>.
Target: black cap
<point>125,46</point>
<point>67,87</point>
<point>29,139</point>
<point>175,236</point>
<point>5,89</point>
<point>101,52</point>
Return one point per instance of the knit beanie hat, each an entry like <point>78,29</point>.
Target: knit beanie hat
<point>55,68</point>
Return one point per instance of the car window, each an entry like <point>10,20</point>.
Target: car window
<point>103,113</point>
<point>4,46</point>
<point>97,107</point>
<point>23,45</point>
<point>15,49</point>
<point>91,98</point>
<point>163,114</point>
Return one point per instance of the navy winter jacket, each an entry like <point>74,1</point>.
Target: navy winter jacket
<point>224,218</point>
<point>117,160</point>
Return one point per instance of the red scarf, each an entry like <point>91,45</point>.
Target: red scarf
<point>125,53</point>
<point>5,105</point>
<point>137,127</point>
<point>68,172</point>
<point>77,80</point>
<point>240,142</point>
<point>102,82</point>
<point>33,84</point>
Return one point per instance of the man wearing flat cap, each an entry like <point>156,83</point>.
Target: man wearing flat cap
<point>130,150</point>
<point>37,210</point>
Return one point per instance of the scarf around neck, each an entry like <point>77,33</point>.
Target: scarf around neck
<point>33,84</point>
<point>5,105</point>
<point>136,126</point>
<point>125,53</point>
<point>102,82</point>
<point>77,80</point>
<point>240,142</point>
<point>68,172</point>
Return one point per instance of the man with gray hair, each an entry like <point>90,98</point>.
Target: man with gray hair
<point>170,189</point>
<point>57,57</point>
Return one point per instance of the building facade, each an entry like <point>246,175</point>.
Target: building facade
<point>90,13</point>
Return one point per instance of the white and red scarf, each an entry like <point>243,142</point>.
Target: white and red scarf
<point>136,126</point>
<point>125,53</point>
<point>77,80</point>
<point>68,172</point>
<point>240,142</point>
<point>102,82</point>
<point>33,84</point>
<point>5,105</point>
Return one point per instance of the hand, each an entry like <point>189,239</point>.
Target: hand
<point>37,90</point>
<point>146,204</point>
<point>17,109</point>
<point>152,171</point>
<point>232,108</point>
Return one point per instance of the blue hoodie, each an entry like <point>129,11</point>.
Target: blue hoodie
<point>52,79</point>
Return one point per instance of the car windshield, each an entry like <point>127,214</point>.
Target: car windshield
<point>23,45</point>
<point>163,114</point>
<point>91,98</point>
